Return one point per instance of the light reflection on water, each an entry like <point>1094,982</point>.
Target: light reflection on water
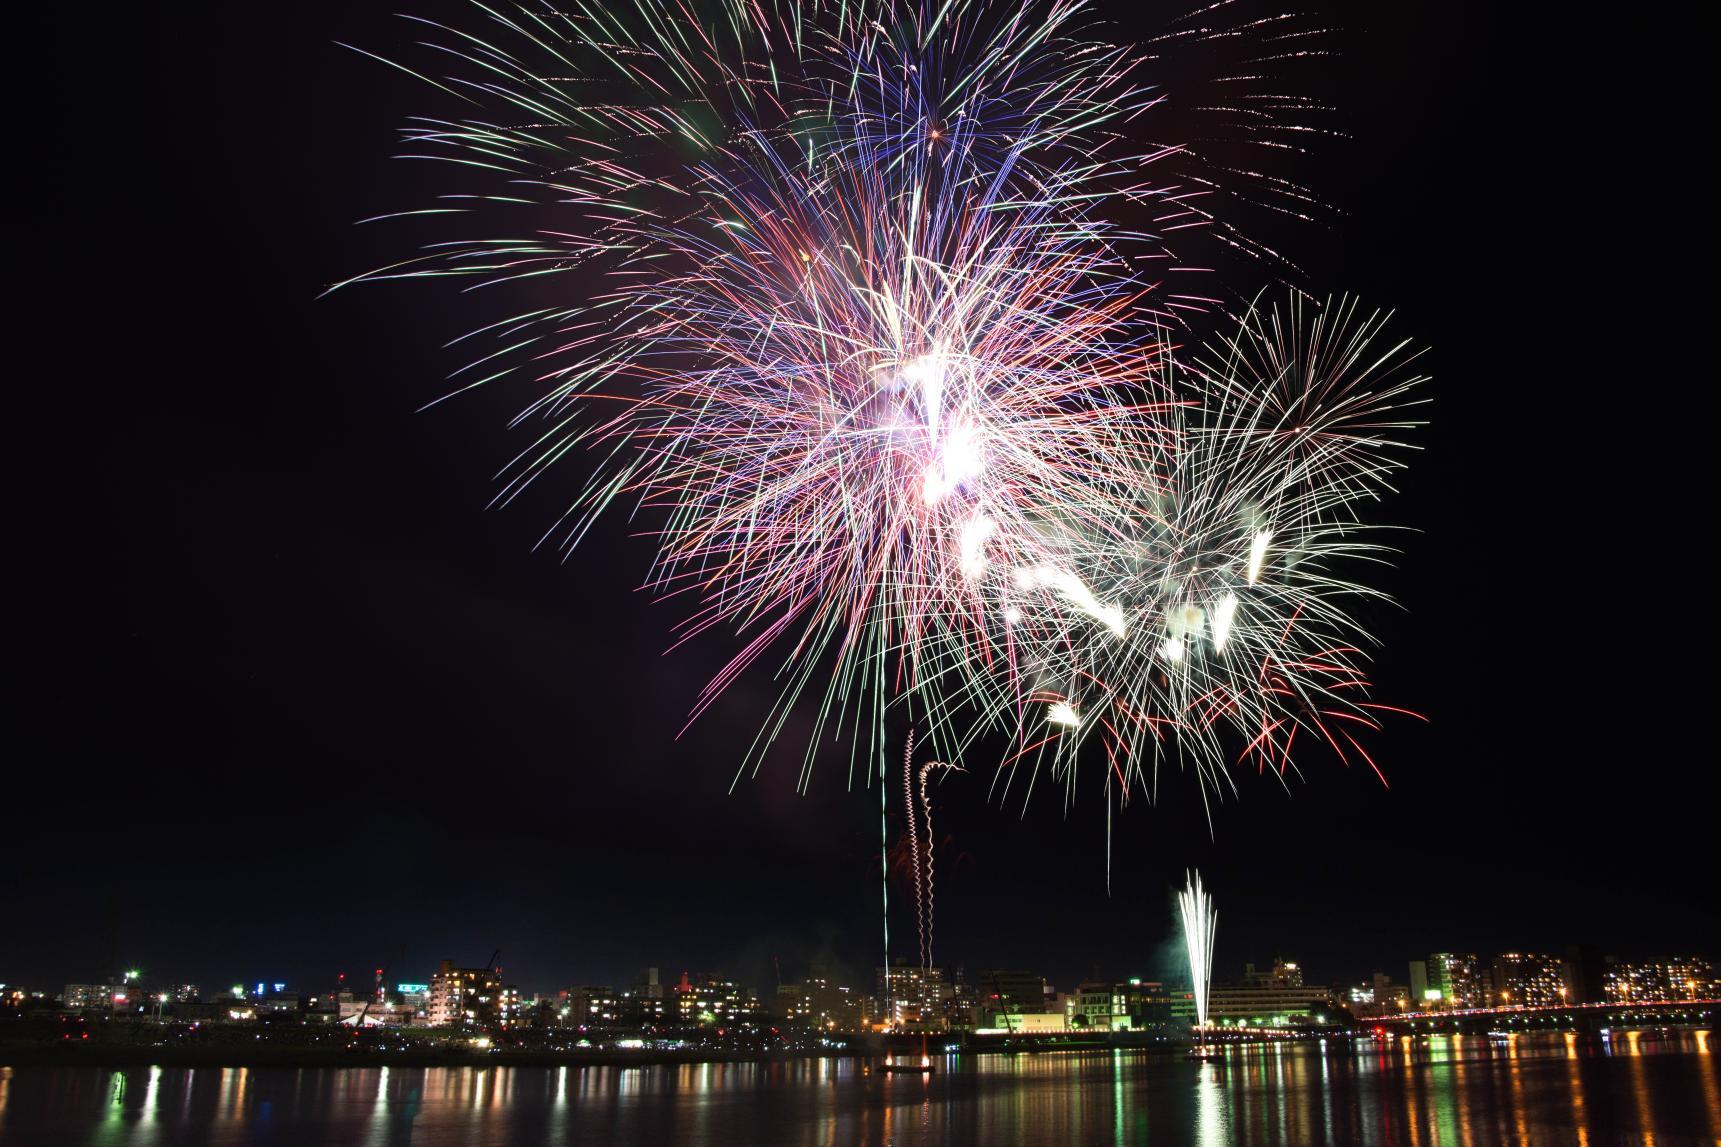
<point>1649,1087</point>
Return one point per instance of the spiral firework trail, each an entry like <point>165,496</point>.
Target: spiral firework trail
<point>922,878</point>
<point>917,805</point>
<point>834,300</point>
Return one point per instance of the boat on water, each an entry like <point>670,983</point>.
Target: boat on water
<point>922,1066</point>
<point>898,1063</point>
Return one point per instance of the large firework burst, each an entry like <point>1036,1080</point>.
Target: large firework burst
<point>835,294</point>
<point>1234,633</point>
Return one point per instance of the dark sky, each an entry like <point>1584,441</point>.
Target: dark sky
<point>290,702</point>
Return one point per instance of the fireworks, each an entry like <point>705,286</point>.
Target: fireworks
<point>834,302</point>
<point>917,808</point>
<point>1199,924</point>
<point>1233,575</point>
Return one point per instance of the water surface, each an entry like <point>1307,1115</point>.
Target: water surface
<point>1651,1087</point>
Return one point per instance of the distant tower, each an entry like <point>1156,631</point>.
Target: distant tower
<point>648,985</point>
<point>381,994</point>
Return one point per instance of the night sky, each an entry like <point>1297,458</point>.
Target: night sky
<point>290,701</point>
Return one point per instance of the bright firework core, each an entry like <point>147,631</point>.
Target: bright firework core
<point>953,447</point>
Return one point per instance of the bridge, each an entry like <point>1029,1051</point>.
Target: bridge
<point>1559,1017</point>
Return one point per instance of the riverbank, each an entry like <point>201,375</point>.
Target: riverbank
<point>266,1056</point>
<point>293,1057</point>
<point>137,1045</point>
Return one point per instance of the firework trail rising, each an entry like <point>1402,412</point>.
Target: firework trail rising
<point>917,804</point>
<point>832,302</point>
<point>913,851</point>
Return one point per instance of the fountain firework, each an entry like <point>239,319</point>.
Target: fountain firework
<point>1199,921</point>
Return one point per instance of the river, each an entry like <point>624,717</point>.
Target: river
<point>1654,1087</point>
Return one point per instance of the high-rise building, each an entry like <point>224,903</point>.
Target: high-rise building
<point>1529,980</point>
<point>819,1003</point>
<point>1658,981</point>
<point>1419,983</point>
<point>1093,1004</point>
<point>415,997</point>
<point>90,997</point>
<point>1267,997</point>
<point>1379,997</point>
<point>706,1000</point>
<point>1282,975</point>
<point>511,1007</point>
<point>641,1009</point>
<point>1127,1005</point>
<point>589,1005</point>
<point>1458,979</point>
<point>1146,1004</point>
<point>464,995</point>
<point>911,995</point>
<point>961,1004</point>
<point>1022,993</point>
<point>281,1000</point>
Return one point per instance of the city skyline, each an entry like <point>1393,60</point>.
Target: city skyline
<point>983,1001</point>
<point>1469,978</point>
